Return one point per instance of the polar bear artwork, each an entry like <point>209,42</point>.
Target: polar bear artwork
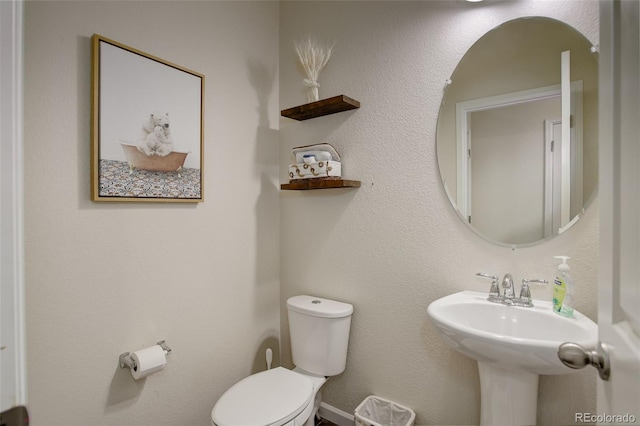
<point>155,138</point>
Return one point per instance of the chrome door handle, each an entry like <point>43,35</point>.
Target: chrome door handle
<point>575,356</point>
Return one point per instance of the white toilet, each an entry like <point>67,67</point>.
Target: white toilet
<point>319,330</point>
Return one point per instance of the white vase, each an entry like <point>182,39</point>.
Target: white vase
<point>313,95</point>
<point>312,89</point>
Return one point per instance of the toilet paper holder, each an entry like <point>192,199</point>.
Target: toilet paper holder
<point>127,361</point>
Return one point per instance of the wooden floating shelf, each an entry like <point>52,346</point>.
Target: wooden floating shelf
<point>321,184</point>
<point>319,108</point>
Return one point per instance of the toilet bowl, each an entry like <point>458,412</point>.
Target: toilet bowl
<point>319,330</point>
<point>275,397</point>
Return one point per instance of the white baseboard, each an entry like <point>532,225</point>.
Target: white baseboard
<point>336,416</point>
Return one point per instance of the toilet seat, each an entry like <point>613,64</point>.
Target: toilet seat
<point>270,398</point>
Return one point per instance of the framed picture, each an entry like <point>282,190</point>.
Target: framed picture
<point>147,127</point>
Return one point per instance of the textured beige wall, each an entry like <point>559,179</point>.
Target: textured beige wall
<point>106,278</point>
<point>394,245</point>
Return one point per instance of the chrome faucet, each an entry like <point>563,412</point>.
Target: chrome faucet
<point>508,298</point>
<point>507,285</point>
<point>494,291</point>
<point>525,293</point>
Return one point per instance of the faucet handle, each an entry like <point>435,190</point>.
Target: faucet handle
<point>525,293</point>
<point>494,292</point>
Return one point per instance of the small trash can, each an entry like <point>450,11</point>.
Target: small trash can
<point>376,411</point>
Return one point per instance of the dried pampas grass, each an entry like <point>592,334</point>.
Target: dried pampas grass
<point>313,56</point>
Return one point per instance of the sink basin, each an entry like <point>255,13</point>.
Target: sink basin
<point>513,346</point>
<point>511,337</point>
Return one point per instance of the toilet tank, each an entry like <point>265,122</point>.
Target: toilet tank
<point>319,330</point>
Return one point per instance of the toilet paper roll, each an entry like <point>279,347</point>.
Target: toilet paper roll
<point>148,361</point>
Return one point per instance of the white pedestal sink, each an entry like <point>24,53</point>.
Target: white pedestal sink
<point>513,346</point>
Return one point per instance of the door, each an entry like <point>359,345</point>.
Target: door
<point>553,177</point>
<point>619,276</point>
<point>12,351</point>
<point>506,155</point>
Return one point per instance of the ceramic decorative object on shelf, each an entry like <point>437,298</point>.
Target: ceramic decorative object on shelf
<point>313,56</point>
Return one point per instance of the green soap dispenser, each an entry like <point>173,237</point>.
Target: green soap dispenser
<point>563,289</point>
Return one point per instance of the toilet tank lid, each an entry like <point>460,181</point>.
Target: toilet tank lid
<point>319,307</point>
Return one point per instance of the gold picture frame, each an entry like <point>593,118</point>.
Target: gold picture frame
<point>147,129</point>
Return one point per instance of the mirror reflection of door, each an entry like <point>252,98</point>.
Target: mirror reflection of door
<point>553,148</point>
<point>517,186</point>
<point>515,59</point>
<point>507,163</point>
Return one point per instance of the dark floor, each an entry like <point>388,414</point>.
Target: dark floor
<point>324,422</point>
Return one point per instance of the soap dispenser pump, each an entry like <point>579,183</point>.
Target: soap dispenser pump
<point>563,290</point>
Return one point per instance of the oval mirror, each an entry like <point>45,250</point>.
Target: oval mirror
<point>517,131</point>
